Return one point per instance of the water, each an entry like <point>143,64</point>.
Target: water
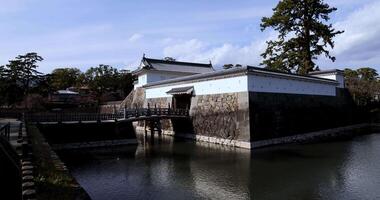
<point>181,169</point>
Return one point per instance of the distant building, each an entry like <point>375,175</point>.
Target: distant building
<point>71,97</point>
<point>66,97</point>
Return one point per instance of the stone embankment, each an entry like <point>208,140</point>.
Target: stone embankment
<point>21,144</point>
<point>317,136</point>
<point>321,136</point>
<point>52,178</point>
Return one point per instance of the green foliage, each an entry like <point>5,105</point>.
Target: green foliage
<point>23,69</point>
<point>18,77</point>
<point>350,74</point>
<point>101,78</point>
<point>105,79</point>
<point>303,35</point>
<point>363,84</point>
<point>367,74</point>
<point>3,85</point>
<point>62,78</point>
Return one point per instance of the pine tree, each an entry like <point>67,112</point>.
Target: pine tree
<point>303,35</point>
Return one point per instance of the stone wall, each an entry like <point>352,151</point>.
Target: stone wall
<point>221,115</point>
<point>110,108</point>
<point>277,115</point>
<point>254,116</point>
<point>136,98</point>
<point>166,124</point>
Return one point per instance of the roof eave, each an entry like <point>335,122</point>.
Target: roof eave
<point>239,71</point>
<point>152,60</point>
<point>332,71</point>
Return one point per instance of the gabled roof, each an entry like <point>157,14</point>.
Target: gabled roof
<point>173,66</point>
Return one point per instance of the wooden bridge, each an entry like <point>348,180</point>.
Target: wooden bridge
<point>137,114</point>
<point>151,117</point>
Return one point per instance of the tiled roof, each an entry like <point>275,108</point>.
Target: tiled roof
<point>181,90</point>
<point>69,92</point>
<point>173,66</point>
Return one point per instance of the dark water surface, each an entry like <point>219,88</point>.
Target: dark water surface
<point>178,169</point>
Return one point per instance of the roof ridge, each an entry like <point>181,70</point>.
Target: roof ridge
<point>150,60</point>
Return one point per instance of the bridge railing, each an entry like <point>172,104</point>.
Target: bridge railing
<point>61,117</point>
<point>127,113</point>
<point>11,113</point>
<point>155,112</point>
<point>5,131</point>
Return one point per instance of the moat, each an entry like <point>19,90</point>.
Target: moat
<point>169,168</point>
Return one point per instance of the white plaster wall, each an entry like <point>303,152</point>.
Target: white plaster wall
<point>269,84</point>
<point>340,79</point>
<point>218,86</point>
<point>141,80</point>
<point>153,76</point>
<point>336,77</point>
<point>252,83</point>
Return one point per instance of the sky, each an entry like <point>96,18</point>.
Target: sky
<point>85,33</point>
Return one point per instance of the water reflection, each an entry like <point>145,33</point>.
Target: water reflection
<point>160,168</point>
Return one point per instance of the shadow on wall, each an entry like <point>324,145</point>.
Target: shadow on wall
<point>278,115</point>
<point>182,126</point>
<point>81,132</point>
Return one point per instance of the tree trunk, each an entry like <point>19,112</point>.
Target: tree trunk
<point>307,58</point>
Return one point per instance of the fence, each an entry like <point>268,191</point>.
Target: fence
<point>5,131</point>
<point>11,113</point>
<point>123,114</point>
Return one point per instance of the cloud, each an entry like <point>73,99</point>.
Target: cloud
<point>197,51</point>
<point>360,27</point>
<point>342,3</point>
<point>186,48</point>
<point>221,34</point>
<point>359,44</point>
<point>135,37</point>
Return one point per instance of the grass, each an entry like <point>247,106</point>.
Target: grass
<point>52,182</point>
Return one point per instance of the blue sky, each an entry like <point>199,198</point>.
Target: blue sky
<point>85,33</point>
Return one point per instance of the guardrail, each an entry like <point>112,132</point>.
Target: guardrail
<point>155,112</point>
<point>11,113</point>
<point>124,114</point>
<point>5,131</point>
<point>62,117</point>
